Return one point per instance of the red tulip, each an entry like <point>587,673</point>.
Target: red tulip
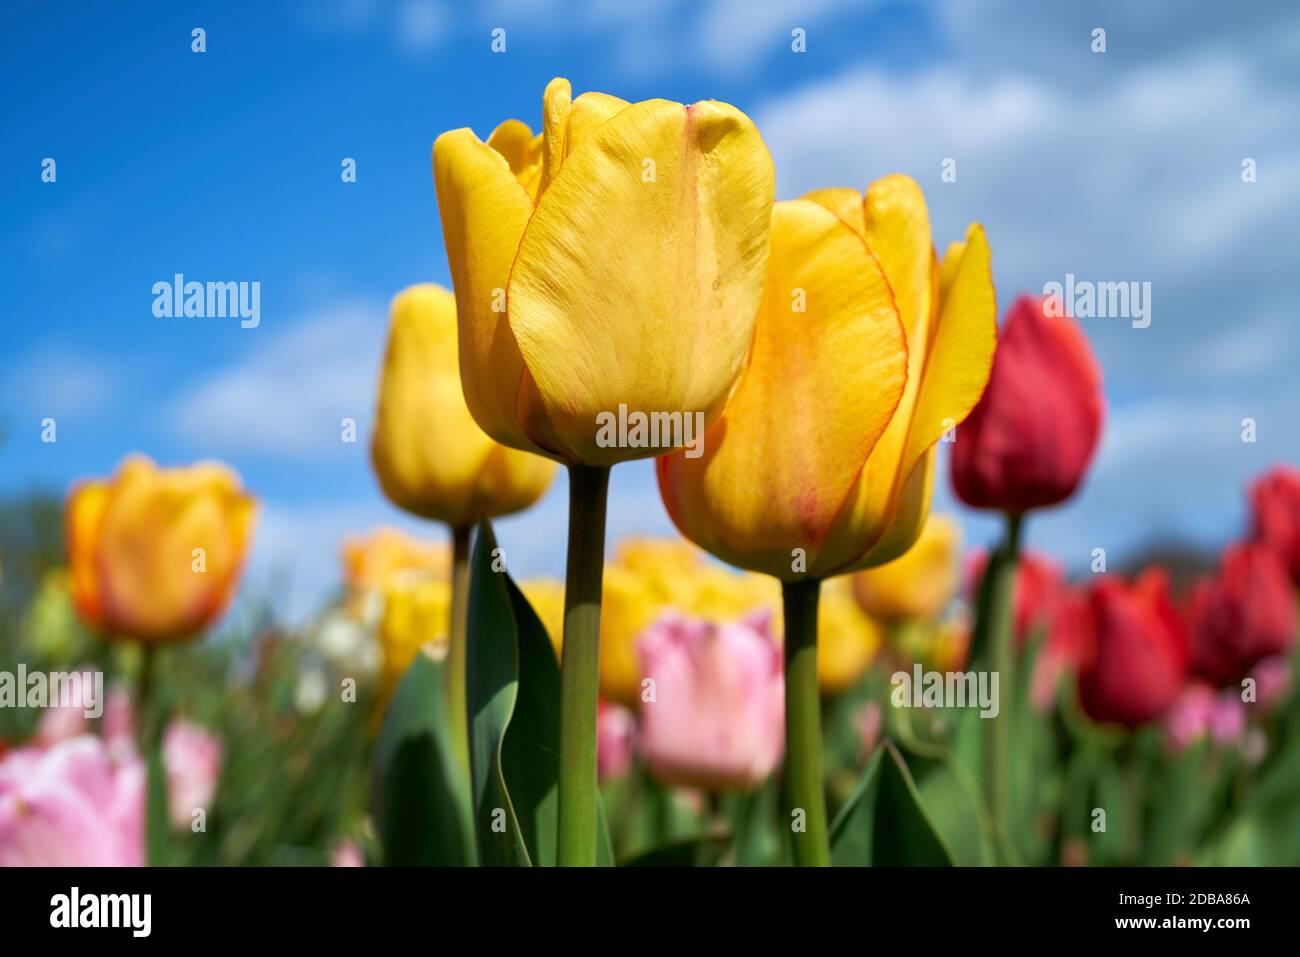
<point>1242,614</point>
<point>1030,438</point>
<point>1275,502</point>
<point>1133,649</point>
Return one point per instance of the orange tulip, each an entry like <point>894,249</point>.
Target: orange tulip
<point>155,554</point>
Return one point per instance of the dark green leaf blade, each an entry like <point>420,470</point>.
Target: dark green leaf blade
<point>884,823</point>
<point>416,782</point>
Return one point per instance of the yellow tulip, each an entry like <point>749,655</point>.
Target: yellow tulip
<point>369,561</point>
<point>848,638</point>
<point>155,554</point>
<point>431,458</point>
<point>867,349</point>
<point>921,582</point>
<point>615,259</point>
<point>417,613</point>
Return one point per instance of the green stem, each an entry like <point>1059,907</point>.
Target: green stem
<point>998,628</point>
<point>580,665</point>
<point>144,698</point>
<point>803,735</point>
<point>457,651</point>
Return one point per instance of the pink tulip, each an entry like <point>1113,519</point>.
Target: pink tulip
<point>717,719</point>
<point>1201,712</point>
<point>70,806</point>
<point>193,760</point>
<point>347,853</point>
<point>615,726</point>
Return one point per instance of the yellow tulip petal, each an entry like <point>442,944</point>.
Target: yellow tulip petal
<point>843,202</point>
<point>821,386</point>
<point>484,210</point>
<point>960,354</point>
<point>898,232</point>
<point>589,111</point>
<point>427,449</point>
<point>557,103</point>
<point>639,276</point>
<point>515,141</point>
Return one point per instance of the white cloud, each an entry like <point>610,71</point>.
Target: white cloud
<point>286,397</point>
<point>58,383</point>
<point>421,25</point>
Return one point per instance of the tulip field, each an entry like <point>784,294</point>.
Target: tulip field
<point>811,662</point>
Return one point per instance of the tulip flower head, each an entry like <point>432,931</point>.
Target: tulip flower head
<point>1243,614</point>
<point>867,349</point>
<point>155,553</point>
<point>1135,650</point>
<point>192,757</point>
<point>1275,509</point>
<point>614,259</point>
<point>71,806</point>
<point>431,457</point>
<point>1031,437</point>
<point>717,716</point>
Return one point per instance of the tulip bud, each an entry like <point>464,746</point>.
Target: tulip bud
<point>155,554</point>
<point>1030,439</point>
<point>1275,507</point>
<point>431,457</point>
<point>1134,649</point>
<point>1241,615</point>
<point>717,721</point>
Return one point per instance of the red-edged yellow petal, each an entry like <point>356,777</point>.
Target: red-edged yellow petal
<point>910,508</point>
<point>639,275</point>
<point>960,352</point>
<point>897,226</point>
<point>484,210</point>
<point>843,202</point>
<point>820,388</point>
<point>898,232</point>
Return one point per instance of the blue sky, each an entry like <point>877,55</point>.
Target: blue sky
<point>224,165</point>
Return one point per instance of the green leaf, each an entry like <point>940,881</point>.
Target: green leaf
<point>604,845</point>
<point>514,701</point>
<point>702,850</point>
<point>417,785</point>
<point>883,823</point>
